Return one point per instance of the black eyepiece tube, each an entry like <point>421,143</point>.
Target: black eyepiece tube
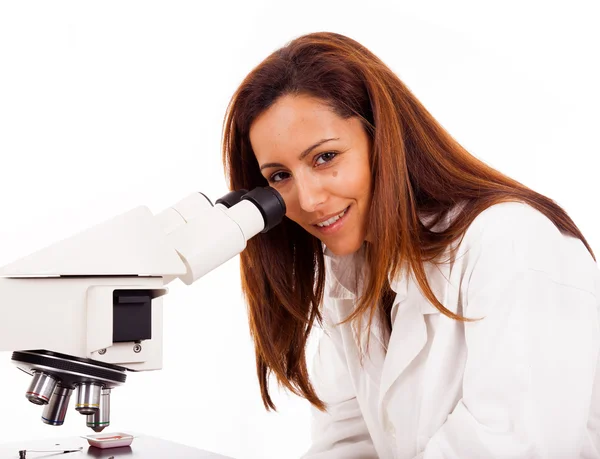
<point>270,203</point>
<point>231,198</point>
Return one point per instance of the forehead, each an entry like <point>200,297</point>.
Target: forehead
<point>292,123</point>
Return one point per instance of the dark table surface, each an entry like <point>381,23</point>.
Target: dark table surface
<point>145,447</point>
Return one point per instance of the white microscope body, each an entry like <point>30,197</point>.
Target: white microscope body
<point>81,313</point>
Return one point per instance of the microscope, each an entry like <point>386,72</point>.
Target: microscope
<point>81,313</point>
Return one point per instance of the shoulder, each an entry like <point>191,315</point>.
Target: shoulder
<point>521,227</point>
<point>514,219</point>
<point>512,237</point>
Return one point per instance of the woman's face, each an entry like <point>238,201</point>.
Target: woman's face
<point>319,163</point>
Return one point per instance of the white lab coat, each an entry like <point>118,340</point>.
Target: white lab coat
<point>524,382</point>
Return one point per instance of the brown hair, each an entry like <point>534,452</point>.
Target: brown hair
<point>416,167</point>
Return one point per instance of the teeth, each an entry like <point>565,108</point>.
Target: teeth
<point>333,219</point>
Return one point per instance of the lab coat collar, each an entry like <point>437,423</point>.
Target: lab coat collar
<point>348,280</point>
<point>345,270</point>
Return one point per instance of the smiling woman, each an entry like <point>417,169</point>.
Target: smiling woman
<point>327,187</point>
<point>479,296</point>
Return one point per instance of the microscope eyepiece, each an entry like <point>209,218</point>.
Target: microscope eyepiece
<point>270,203</point>
<point>231,198</point>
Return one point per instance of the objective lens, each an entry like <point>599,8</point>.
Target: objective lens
<point>40,389</point>
<point>101,418</point>
<point>88,398</point>
<point>56,409</point>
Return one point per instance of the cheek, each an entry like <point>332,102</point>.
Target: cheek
<point>355,183</point>
<point>364,180</point>
<point>366,184</point>
<point>293,211</point>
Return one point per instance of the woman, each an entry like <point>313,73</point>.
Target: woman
<point>459,307</point>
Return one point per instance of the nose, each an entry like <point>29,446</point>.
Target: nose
<point>311,193</point>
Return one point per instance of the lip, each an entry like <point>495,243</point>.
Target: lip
<point>335,226</point>
<point>327,217</point>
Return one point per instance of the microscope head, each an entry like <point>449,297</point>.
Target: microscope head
<point>81,313</point>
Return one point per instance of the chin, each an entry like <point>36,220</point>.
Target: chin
<point>343,249</point>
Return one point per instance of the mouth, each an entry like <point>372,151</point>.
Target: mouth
<point>334,223</point>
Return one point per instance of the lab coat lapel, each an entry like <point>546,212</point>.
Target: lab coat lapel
<point>408,337</point>
<point>343,290</point>
<point>409,334</point>
<point>373,351</point>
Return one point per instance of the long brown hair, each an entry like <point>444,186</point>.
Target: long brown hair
<point>416,166</point>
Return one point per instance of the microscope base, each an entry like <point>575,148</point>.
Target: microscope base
<point>143,447</point>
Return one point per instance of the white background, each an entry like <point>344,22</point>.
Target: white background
<point>105,106</point>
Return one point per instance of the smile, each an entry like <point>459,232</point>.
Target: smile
<point>334,223</point>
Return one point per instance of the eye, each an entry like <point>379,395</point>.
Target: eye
<point>273,178</point>
<point>327,157</point>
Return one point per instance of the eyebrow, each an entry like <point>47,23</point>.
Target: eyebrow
<point>302,155</point>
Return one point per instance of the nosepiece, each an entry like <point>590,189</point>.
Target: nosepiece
<point>54,378</point>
